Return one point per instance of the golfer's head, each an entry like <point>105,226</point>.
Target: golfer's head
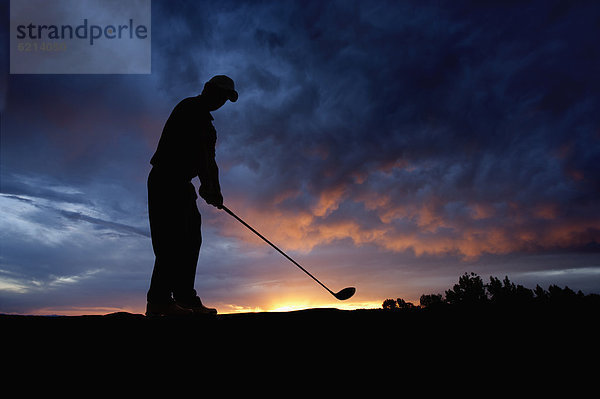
<point>218,90</point>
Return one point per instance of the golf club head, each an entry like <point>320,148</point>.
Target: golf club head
<point>345,293</point>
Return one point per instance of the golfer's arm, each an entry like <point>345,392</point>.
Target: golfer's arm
<point>209,171</point>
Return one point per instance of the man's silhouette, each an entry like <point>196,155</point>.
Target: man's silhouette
<point>186,149</point>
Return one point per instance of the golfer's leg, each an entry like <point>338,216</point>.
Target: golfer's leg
<point>186,274</point>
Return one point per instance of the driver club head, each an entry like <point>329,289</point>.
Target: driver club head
<point>345,293</point>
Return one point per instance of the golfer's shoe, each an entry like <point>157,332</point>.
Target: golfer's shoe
<point>195,305</point>
<point>169,308</point>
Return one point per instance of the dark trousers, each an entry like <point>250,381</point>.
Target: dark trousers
<point>176,238</point>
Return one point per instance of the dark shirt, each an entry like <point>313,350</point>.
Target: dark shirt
<point>186,148</point>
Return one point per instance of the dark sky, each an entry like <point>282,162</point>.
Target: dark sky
<point>390,146</point>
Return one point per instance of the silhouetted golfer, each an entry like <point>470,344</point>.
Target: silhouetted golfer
<point>186,149</point>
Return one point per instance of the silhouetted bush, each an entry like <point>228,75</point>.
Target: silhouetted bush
<point>506,292</point>
<point>400,304</point>
<point>390,304</point>
<point>471,291</point>
<point>431,300</point>
<point>540,294</point>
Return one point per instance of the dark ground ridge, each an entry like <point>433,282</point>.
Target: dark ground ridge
<point>443,321</point>
<point>370,346</point>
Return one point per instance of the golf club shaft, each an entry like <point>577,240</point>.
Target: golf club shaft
<point>278,250</point>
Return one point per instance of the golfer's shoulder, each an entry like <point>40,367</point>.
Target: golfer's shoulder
<point>186,105</point>
<point>193,107</point>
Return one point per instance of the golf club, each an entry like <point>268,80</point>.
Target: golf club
<point>341,295</point>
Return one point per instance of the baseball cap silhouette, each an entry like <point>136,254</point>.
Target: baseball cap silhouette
<point>226,84</point>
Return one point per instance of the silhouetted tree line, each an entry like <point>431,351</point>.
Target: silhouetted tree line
<point>471,290</point>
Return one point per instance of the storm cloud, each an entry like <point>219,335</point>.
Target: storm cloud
<point>451,128</point>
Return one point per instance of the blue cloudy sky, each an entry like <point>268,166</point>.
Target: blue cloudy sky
<point>387,145</point>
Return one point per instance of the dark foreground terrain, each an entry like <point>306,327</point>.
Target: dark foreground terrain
<point>542,328</point>
<point>312,350</point>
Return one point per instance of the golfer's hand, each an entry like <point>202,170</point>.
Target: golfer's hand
<point>214,198</point>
